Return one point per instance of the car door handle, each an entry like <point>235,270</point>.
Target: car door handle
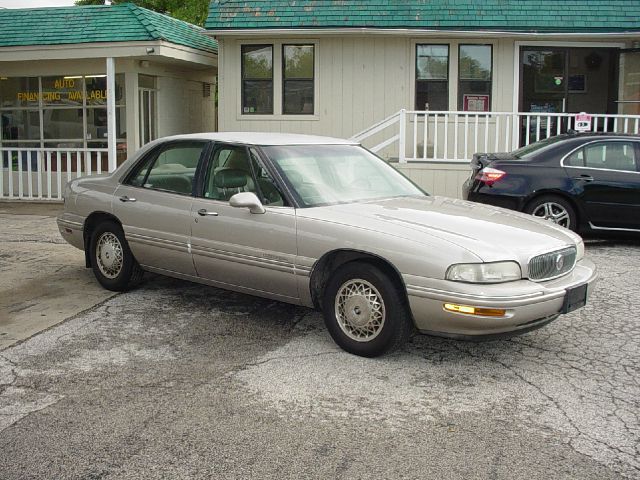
<point>584,178</point>
<point>127,199</point>
<point>204,213</point>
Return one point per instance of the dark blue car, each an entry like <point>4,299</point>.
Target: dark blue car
<point>586,181</point>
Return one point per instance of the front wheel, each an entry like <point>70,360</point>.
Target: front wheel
<point>364,311</point>
<point>111,259</point>
<point>554,208</point>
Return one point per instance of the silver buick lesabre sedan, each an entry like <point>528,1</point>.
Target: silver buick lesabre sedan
<point>322,222</point>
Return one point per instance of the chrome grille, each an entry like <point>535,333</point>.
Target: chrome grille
<point>553,264</point>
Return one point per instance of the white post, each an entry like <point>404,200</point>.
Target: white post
<point>403,136</point>
<point>111,112</point>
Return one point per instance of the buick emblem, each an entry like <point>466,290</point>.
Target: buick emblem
<point>559,262</point>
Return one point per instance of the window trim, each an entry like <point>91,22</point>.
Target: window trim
<point>242,79</point>
<point>41,108</point>
<point>151,157</point>
<point>497,82</point>
<point>415,73</point>
<point>262,160</point>
<point>312,79</point>
<point>277,81</point>
<point>635,143</point>
<point>491,95</point>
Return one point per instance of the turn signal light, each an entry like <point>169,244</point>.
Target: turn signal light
<point>469,310</point>
<point>490,175</point>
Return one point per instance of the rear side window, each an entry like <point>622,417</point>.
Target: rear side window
<point>172,169</point>
<point>576,159</point>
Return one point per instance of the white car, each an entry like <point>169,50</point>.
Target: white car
<point>324,223</point>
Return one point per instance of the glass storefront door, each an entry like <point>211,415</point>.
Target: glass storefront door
<point>543,80</point>
<point>566,80</point>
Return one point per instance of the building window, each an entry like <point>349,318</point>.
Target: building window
<point>257,79</point>
<point>474,78</point>
<point>432,77</point>
<point>71,109</point>
<point>297,79</point>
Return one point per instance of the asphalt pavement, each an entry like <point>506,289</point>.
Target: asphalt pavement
<point>177,380</point>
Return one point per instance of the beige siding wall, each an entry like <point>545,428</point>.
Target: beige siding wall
<point>182,108</point>
<point>360,80</point>
<point>437,178</point>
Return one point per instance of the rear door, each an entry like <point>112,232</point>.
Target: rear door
<point>154,206</point>
<point>606,178</point>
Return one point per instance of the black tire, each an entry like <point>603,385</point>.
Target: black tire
<point>113,274</point>
<point>393,330</point>
<point>555,208</point>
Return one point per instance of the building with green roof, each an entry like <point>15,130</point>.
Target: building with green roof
<point>339,67</point>
<point>92,83</point>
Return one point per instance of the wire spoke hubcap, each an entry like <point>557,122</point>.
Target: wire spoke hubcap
<point>554,212</point>
<point>109,255</point>
<point>359,309</point>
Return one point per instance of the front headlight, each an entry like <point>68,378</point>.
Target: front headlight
<point>484,272</point>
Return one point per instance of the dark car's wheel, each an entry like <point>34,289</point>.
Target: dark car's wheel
<point>111,259</point>
<point>554,208</point>
<point>364,311</point>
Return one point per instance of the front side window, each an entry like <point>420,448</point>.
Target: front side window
<point>257,79</point>
<point>297,79</point>
<point>474,78</point>
<point>172,169</point>
<point>611,156</point>
<point>432,77</point>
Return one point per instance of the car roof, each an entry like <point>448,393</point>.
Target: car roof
<point>262,138</point>
<point>598,135</point>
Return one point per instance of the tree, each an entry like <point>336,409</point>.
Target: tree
<point>192,11</point>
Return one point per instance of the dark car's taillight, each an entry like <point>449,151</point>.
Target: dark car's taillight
<point>490,175</point>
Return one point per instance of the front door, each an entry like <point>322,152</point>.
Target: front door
<point>606,176</point>
<point>233,247</point>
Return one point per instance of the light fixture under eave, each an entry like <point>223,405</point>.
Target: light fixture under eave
<point>150,50</point>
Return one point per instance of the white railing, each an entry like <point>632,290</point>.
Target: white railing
<point>443,136</point>
<point>42,173</point>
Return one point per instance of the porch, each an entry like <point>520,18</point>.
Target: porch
<point>434,148</point>
<point>42,173</point>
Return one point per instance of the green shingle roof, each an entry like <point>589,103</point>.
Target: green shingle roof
<point>502,15</point>
<point>89,24</point>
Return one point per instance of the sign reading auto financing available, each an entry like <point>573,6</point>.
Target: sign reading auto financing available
<point>583,122</point>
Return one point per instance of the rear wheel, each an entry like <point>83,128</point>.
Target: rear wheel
<point>554,208</point>
<point>111,259</point>
<point>364,311</point>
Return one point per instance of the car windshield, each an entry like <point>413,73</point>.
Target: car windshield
<point>330,174</point>
<point>537,147</point>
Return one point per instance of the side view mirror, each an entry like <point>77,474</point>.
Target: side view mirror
<point>247,200</point>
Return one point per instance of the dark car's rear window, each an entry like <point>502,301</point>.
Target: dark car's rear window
<point>537,147</point>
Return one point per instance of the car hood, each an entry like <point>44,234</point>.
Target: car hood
<point>490,233</point>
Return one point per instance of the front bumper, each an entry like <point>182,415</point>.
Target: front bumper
<point>528,304</point>
<point>70,227</point>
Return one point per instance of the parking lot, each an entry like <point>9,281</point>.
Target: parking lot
<point>177,380</point>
